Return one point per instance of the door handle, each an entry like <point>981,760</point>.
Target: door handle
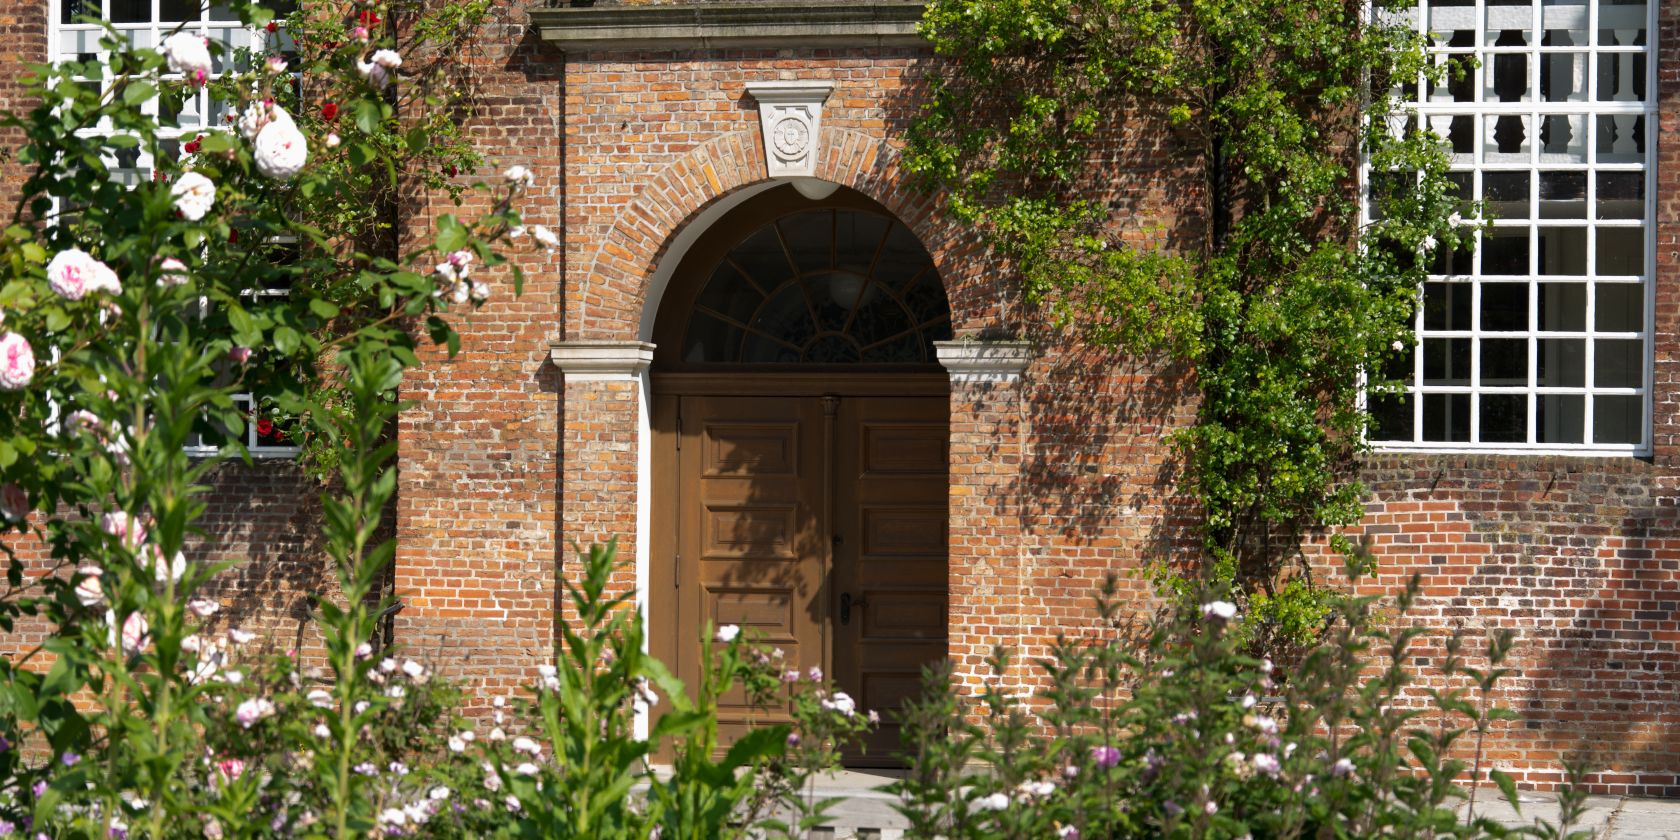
<point>846,604</point>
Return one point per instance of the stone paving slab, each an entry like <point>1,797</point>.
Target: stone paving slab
<point>1607,817</point>
<point>867,814</point>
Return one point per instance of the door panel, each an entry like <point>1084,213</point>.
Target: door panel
<point>891,483</point>
<point>751,546</point>
<point>782,504</point>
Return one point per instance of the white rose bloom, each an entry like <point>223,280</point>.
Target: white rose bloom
<point>456,744</point>
<point>523,744</point>
<point>281,150</point>
<point>194,195</point>
<point>388,59</point>
<point>480,291</point>
<point>995,802</point>
<point>321,731</point>
<point>461,293</point>
<point>239,636</point>
<point>1223,609</point>
<point>188,53</point>
<point>320,699</point>
<point>545,237</point>
<point>526,769</point>
<point>728,632</point>
<point>413,669</point>
<point>520,175</point>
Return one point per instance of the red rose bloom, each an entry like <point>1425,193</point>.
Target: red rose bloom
<point>265,427</point>
<point>273,27</point>
<point>369,18</point>
<point>329,111</point>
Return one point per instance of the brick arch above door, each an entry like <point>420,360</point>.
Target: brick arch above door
<point>617,293</point>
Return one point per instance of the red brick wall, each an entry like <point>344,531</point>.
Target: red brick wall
<point>1057,478</point>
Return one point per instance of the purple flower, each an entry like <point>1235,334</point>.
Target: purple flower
<point>39,788</point>
<point>70,758</point>
<point>6,828</point>
<point>1105,756</point>
<point>793,740</point>
<point>4,744</point>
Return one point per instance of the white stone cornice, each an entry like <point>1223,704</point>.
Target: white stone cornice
<point>790,116</point>
<point>984,361</point>
<point>601,361</point>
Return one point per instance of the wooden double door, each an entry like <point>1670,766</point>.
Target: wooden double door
<point>816,523</point>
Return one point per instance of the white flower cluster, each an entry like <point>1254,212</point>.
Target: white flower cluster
<point>380,68</point>
<point>453,280</point>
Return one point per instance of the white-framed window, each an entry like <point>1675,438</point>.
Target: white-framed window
<point>1539,337</point>
<point>144,24</point>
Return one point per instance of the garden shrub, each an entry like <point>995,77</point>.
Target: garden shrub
<point>1169,728</point>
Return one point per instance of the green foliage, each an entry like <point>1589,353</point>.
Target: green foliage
<point>1276,290</point>
<point>1170,729</point>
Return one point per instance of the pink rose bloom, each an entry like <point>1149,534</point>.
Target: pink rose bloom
<point>230,769</point>
<point>239,355</point>
<point>136,632</point>
<point>128,529</point>
<point>17,362</point>
<point>253,710</point>
<point>88,591</point>
<point>14,502</point>
<point>74,273</point>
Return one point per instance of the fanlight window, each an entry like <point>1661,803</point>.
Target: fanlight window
<point>826,286</point>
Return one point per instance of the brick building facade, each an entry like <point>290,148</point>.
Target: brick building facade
<point>666,138</point>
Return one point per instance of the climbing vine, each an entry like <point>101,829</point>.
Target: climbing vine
<point>1286,300</point>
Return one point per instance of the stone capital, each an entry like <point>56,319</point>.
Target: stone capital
<point>984,361</point>
<point>601,361</point>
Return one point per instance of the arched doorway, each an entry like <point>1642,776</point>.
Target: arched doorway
<point>801,428</point>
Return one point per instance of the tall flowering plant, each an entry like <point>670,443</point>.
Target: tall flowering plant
<point>128,323</point>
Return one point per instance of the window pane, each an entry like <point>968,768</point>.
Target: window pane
<point>1617,419</point>
<point>1618,363</point>
<point>1563,195</point>
<point>1504,361</point>
<point>130,11</point>
<point>1504,418</point>
<point>1504,307</point>
<point>1391,417</point>
<point>1562,363</point>
<point>1505,251</point>
<point>1446,361</point>
<point>1506,194</point>
<point>1619,307</point>
<point>1446,417</point>
<point>1563,307</point>
<point>1621,251</point>
<point>1446,306</point>
<point>1560,418</point>
<point>1563,251</point>
<point>1621,195</point>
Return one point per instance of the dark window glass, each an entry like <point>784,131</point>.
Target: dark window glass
<point>822,287</point>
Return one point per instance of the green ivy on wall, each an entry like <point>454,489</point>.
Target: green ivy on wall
<point>1286,300</point>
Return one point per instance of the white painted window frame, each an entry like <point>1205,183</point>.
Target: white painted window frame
<point>1537,162</point>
